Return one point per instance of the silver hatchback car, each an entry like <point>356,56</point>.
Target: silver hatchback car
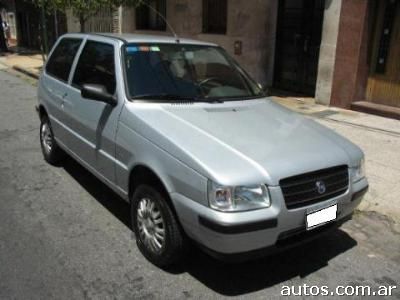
<point>181,131</point>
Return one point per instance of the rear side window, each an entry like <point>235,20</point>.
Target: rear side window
<point>61,60</point>
<point>96,66</point>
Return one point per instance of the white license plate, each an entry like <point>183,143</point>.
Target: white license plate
<point>322,216</point>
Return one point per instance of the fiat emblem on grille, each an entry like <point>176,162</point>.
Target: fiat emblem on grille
<point>321,188</point>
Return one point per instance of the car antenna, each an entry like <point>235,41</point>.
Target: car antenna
<point>162,17</point>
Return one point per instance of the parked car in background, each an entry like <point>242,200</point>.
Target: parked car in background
<point>181,131</point>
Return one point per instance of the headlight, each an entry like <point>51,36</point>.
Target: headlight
<point>238,198</point>
<point>359,171</point>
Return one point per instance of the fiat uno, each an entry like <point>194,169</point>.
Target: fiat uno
<point>179,130</point>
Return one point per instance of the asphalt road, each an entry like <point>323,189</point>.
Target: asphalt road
<point>64,235</point>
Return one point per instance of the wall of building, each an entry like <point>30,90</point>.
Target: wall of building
<point>327,53</point>
<point>351,69</point>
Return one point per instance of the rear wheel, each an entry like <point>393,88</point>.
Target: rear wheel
<point>157,231</point>
<point>51,152</point>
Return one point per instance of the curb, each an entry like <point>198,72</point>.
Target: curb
<point>26,72</point>
<point>377,109</point>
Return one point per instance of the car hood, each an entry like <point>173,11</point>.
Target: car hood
<point>244,142</point>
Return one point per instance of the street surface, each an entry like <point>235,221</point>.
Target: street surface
<point>64,235</point>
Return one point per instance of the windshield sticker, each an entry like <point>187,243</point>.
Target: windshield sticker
<point>131,49</point>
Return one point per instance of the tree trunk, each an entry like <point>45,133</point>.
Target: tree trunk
<point>55,23</point>
<point>82,22</point>
<point>3,44</point>
<point>44,30</point>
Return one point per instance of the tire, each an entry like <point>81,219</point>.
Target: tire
<point>51,151</point>
<point>153,218</point>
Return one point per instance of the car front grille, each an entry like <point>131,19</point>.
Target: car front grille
<point>313,187</point>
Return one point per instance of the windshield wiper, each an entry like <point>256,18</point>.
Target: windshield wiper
<point>164,96</point>
<point>173,97</point>
<point>239,98</point>
<point>213,100</point>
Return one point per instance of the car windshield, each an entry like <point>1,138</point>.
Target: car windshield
<point>175,72</point>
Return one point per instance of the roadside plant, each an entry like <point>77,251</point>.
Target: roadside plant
<point>84,9</point>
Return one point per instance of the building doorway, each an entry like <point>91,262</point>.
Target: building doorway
<point>298,42</point>
<point>384,76</point>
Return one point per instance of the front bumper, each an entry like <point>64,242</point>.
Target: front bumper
<point>286,240</point>
<point>242,232</point>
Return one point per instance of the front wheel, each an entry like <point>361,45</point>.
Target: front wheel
<point>157,231</point>
<point>51,152</point>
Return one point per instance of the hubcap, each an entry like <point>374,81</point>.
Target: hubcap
<point>47,137</point>
<point>151,225</point>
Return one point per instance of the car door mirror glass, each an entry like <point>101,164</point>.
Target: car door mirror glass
<point>98,92</point>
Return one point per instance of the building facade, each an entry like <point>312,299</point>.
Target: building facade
<point>344,53</point>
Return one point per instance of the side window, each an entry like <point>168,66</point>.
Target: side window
<point>96,66</point>
<point>60,62</point>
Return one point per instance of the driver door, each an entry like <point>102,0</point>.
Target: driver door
<point>93,124</point>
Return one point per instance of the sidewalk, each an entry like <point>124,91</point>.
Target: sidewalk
<point>23,61</point>
<point>378,137</point>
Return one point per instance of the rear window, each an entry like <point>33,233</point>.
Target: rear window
<point>60,62</point>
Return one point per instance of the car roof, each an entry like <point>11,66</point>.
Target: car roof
<point>142,38</point>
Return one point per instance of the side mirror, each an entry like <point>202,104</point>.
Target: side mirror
<point>98,92</point>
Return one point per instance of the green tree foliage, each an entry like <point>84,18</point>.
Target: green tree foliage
<point>84,9</point>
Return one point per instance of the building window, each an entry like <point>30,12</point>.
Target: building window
<point>215,16</point>
<point>148,19</point>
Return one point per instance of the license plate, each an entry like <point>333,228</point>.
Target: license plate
<point>321,217</point>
